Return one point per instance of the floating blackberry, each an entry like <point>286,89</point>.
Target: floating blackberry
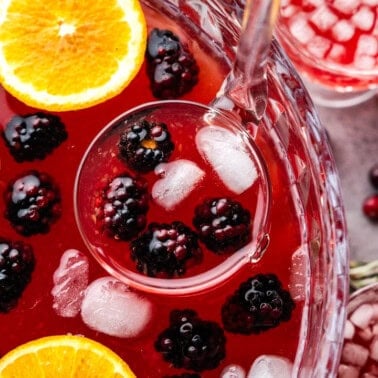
<point>32,203</point>
<point>165,250</point>
<point>33,136</point>
<point>122,208</point>
<point>16,267</point>
<point>171,67</point>
<point>143,145</point>
<point>260,303</point>
<point>191,343</point>
<point>222,224</point>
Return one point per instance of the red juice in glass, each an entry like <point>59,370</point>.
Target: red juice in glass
<point>333,43</point>
<point>70,292</point>
<point>360,350</point>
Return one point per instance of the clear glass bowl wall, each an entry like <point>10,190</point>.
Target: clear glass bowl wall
<point>291,117</point>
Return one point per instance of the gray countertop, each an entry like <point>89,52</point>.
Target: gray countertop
<point>353,134</point>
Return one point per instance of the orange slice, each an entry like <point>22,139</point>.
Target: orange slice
<point>63,356</point>
<point>64,55</point>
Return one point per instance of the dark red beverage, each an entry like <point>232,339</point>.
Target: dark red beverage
<point>292,228</point>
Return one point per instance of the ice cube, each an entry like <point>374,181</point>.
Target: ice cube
<point>374,329</point>
<point>233,371</point>
<point>319,46</point>
<point>367,45</point>
<point>110,307</point>
<point>362,316</point>
<point>301,29</point>
<point>343,31</point>
<point>346,371</point>
<point>337,52</point>
<point>288,11</point>
<point>70,281</point>
<point>349,330</point>
<point>374,349</point>
<point>269,366</point>
<point>372,3</point>
<point>227,153</point>
<point>364,62</point>
<point>323,18</point>
<point>178,179</point>
<point>354,354</point>
<point>345,6</point>
<point>363,18</point>
<point>365,334</point>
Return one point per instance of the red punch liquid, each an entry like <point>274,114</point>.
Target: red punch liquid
<point>34,315</point>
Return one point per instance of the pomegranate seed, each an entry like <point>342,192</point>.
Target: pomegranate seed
<point>370,207</point>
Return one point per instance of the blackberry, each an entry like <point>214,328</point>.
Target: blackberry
<point>143,145</point>
<point>222,224</point>
<point>123,205</point>
<point>191,343</point>
<point>33,203</point>
<point>16,267</point>
<point>33,136</point>
<point>171,67</point>
<point>165,250</point>
<point>260,303</point>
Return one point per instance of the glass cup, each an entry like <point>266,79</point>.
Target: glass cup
<point>358,356</point>
<point>333,45</point>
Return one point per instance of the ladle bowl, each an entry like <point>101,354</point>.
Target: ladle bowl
<point>213,142</point>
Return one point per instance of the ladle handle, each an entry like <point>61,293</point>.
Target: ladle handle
<point>245,88</point>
